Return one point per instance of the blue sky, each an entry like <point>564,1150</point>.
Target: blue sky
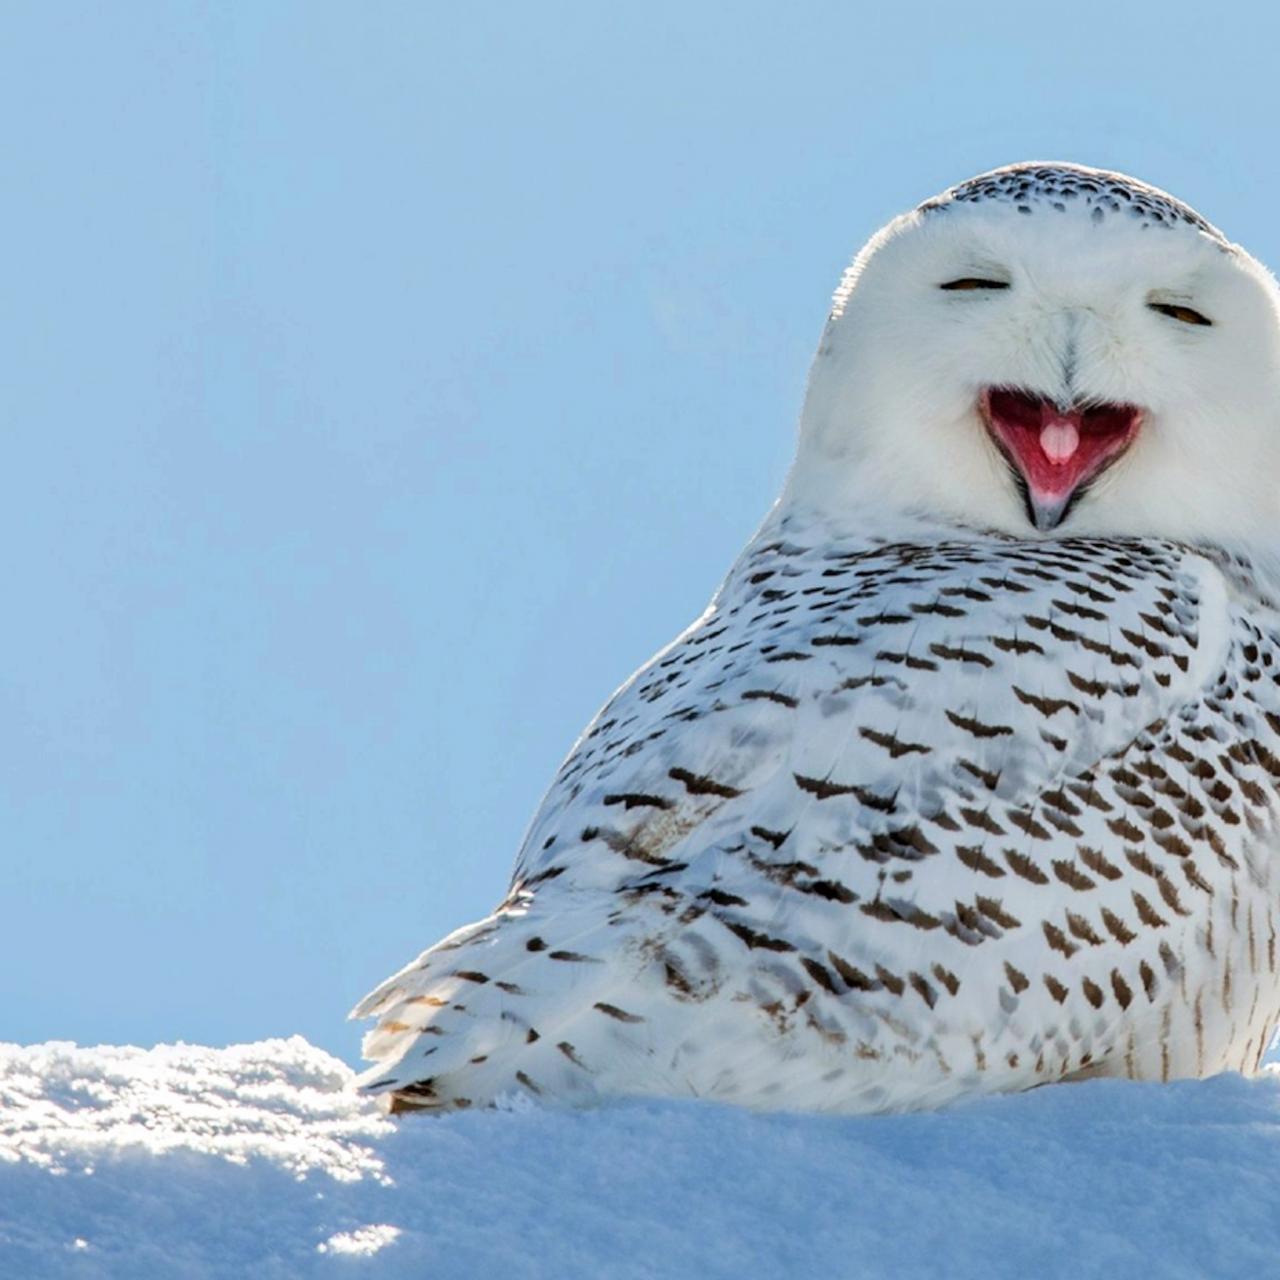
<point>383,383</point>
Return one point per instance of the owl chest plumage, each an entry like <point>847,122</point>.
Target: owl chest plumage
<point>894,821</point>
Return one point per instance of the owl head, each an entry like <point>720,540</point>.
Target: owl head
<point>1050,350</point>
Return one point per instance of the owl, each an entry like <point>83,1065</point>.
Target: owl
<point>968,778</point>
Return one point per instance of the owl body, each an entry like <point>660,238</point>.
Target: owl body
<point>894,821</point>
<point>968,779</point>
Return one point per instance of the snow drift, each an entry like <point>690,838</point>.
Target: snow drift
<point>259,1161</point>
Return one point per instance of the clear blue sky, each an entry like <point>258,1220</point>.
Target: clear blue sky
<point>382,383</point>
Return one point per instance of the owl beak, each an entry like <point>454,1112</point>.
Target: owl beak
<point>1055,452</point>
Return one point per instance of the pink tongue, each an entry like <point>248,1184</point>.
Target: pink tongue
<point>1059,439</point>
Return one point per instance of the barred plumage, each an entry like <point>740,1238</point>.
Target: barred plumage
<point>930,801</point>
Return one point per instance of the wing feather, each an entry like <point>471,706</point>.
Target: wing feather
<point>861,769</point>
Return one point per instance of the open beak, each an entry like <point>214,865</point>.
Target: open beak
<point>1056,453</point>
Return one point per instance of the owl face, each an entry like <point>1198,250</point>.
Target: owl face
<point>1043,363</point>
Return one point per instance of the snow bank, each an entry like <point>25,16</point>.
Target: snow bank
<point>257,1161</point>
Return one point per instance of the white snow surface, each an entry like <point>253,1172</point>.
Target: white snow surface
<point>260,1161</point>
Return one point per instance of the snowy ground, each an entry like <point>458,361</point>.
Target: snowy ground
<point>257,1161</point>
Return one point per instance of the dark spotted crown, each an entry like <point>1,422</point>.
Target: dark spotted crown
<point>1029,188</point>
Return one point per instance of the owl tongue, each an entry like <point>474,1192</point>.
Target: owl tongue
<point>1059,440</point>
<point>1056,450</point>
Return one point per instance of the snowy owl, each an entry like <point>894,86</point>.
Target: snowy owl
<point>968,778</point>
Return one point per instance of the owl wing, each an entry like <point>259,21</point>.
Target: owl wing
<point>861,767</point>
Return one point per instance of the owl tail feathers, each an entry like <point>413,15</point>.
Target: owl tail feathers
<point>496,1010</point>
<point>419,975</point>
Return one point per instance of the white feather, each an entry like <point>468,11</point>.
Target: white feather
<point>928,802</point>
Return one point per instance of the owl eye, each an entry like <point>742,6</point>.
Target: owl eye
<point>1176,312</point>
<point>972,282</point>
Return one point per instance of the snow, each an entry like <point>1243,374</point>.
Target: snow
<point>259,1161</point>
<point>367,1240</point>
